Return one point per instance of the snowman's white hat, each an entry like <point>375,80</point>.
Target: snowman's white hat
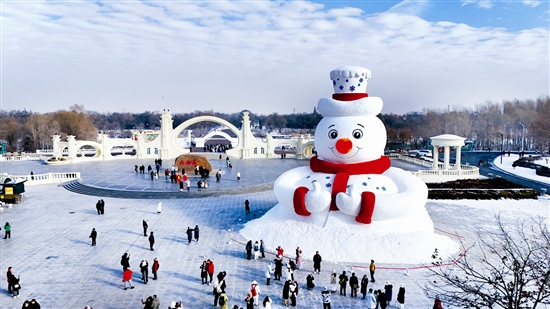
<point>350,79</point>
<point>350,96</point>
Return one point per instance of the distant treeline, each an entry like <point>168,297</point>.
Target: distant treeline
<point>489,125</point>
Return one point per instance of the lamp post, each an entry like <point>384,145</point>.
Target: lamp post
<point>522,134</point>
<point>501,146</point>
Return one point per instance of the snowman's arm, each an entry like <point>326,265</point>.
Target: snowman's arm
<point>286,184</point>
<point>410,199</point>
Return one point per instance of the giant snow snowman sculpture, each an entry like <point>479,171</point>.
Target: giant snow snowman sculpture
<point>349,202</point>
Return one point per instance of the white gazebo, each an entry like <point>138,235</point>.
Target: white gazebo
<point>446,141</point>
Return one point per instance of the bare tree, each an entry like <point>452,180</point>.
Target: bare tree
<point>512,271</point>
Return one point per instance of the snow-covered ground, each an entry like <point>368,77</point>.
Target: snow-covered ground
<point>522,171</point>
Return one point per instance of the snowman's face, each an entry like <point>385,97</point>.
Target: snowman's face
<point>350,139</point>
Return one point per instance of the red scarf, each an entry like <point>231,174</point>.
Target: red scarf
<point>377,166</point>
<point>343,171</point>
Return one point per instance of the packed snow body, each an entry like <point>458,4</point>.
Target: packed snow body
<point>349,196</point>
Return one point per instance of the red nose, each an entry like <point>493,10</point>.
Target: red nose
<point>344,145</point>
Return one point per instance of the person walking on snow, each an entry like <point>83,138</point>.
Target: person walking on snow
<point>249,250</point>
<point>372,269</point>
<point>371,300</point>
<point>145,226</point>
<point>364,285</point>
<point>388,290</point>
<point>401,297</point>
<point>93,236</point>
<point>255,290</point>
<point>256,250</point>
<point>189,234</point>
<point>317,262</point>
<point>210,270</point>
<point>298,258</point>
<point>204,272</point>
<point>144,267</point>
<point>125,261</point>
<point>7,230</point>
<point>343,280</point>
<point>196,230</point>
<point>262,248</point>
<point>353,284</point>
<point>155,268</point>
<point>268,272</point>
<point>127,278</point>
<point>326,298</point>
<point>151,241</point>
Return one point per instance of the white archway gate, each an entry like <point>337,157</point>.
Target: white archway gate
<point>163,144</point>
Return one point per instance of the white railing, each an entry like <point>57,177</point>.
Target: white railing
<point>42,179</point>
<point>20,158</point>
<point>465,171</point>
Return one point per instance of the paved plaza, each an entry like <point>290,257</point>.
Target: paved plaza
<point>50,250</point>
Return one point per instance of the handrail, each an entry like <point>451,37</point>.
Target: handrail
<point>42,179</point>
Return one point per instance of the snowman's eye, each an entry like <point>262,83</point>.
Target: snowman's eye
<point>332,134</point>
<point>357,134</point>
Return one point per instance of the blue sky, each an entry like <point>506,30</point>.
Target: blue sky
<point>269,56</point>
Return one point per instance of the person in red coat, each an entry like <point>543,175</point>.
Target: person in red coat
<point>127,278</point>
<point>155,268</point>
<point>210,270</point>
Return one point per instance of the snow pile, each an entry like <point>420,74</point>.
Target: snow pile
<point>351,242</point>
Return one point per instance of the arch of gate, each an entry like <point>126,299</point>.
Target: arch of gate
<point>80,144</point>
<point>198,119</point>
<point>217,133</point>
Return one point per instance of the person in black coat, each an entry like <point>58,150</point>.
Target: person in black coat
<point>125,261</point>
<point>401,296</point>
<point>317,262</point>
<point>343,283</point>
<point>151,241</point>
<point>286,292</point>
<point>196,230</point>
<point>353,284</point>
<point>249,250</point>
<point>278,268</point>
<point>364,285</point>
<point>382,299</point>
<point>93,236</point>
<point>145,226</point>
<point>189,234</point>
<point>309,282</point>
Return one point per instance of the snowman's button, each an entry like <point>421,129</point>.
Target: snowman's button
<point>328,185</point>
<point>328,177</point>
<point>368,177</point>
<point>364,184</point>
<point>377,188</point>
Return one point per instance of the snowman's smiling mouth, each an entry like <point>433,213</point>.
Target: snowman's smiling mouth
<point>345,156</point>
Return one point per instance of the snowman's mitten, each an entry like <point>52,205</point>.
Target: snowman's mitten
<point>311,201</point>
<point>349,203</point>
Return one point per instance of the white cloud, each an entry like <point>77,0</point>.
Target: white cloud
<point>257,55</point>
<point>411,7</point>
<point>531,3</point>
<point>483,4</point>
